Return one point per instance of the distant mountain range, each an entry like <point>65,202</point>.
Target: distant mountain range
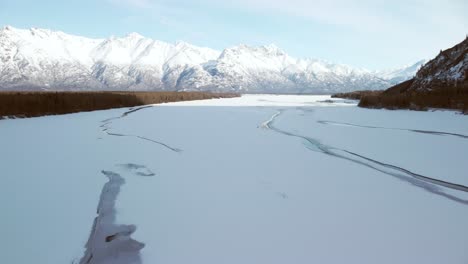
<point>41,59</point>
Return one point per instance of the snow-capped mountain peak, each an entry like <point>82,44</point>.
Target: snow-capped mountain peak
<point>134,35</point>
<point>41,58</point>
<point>401,74</point>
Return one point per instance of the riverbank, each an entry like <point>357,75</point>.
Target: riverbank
<point>397,97</point>
<point>32,104</point>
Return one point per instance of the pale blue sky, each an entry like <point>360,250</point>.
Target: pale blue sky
<point>373,34</point>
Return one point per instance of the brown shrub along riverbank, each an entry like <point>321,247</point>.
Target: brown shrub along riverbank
<point>441,95</point>
<point>30,104</point>
<point>356,95</point>
<point>449,97</point>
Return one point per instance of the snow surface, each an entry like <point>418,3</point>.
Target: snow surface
<point>213,182</point>
<point>270,100</point>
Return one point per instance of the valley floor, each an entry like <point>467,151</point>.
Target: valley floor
<point>255,179</point>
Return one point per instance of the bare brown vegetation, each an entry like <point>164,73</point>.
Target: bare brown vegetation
<point>30,104</point>
<point>445,95</point>
<point>356,95</point>
<point>449,98</point>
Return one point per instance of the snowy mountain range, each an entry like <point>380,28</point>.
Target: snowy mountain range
<point>41,59</point>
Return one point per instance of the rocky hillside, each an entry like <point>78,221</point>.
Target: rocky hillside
<point>449,68</point>
<point>441,83</point>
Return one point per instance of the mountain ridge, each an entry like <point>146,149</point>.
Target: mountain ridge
<point>42,59</point>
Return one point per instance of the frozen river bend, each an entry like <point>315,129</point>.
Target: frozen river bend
<point>256,179</point>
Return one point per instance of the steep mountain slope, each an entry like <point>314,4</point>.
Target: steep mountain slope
<point>269,69</point>
<point>441,83</point>
<point>52,60</point>
<point>449,68</point>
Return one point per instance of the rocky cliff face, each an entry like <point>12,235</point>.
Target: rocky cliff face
<point>448,69</point>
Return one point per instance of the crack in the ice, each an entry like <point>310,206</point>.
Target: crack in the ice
<point>105,127</point>
<point>133,110</point>
<point>143,138</point>
<point>438,133</point>
<point>137,169</point>
<point>130,111</point>
<point>429,184</point>
<point>109,242</point>
<point>446,184</point>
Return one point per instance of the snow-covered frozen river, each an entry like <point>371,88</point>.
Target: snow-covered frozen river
<point>256,179</point>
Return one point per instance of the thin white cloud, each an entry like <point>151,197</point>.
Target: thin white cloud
<point>361,15</point>
<point>365,15</point>
<point>425,26</point>
<point>413,29</point>
<point>132,3</point>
